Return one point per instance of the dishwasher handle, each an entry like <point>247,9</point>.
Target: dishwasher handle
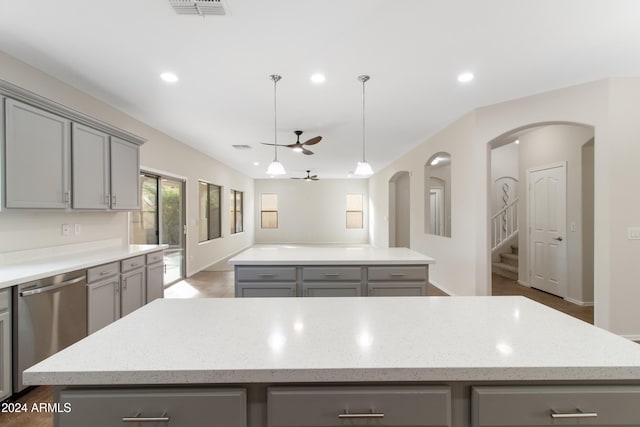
<point>52,287</point>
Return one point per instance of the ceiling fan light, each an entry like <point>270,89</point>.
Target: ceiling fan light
<point>363,169</point>
<point>297,149</point>
<point>275,168</point>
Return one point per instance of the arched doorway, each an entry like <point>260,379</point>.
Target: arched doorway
<point>399,210</point>
<point>535,161</point>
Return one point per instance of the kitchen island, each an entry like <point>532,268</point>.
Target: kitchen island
<point>401,361</point>
<point>330,271</point>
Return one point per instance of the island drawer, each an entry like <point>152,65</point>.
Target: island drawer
<point>397,273</point>
<point>131,263</point>
<point>154,257</point>
<point>406,406</point>
<point>102,272</point>
<point>329,273</point>
<point>331,289</point>
<point>606,405</point>
<point>268,289</point>
<point>396,289</point>
<point>173,407</point>
<point>249,274</point>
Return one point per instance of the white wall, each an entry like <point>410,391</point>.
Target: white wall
<point>463,262</point>
<point>161,153</point>
<point>311,212</point>
<point>505,163</point>
<point>542,147</point>
<point>400,210</point>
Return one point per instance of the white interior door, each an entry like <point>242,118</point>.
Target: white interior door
<point>547,226</point>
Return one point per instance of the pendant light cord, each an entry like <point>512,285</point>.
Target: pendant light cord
<point>363,127</point>
<point>275,115</point>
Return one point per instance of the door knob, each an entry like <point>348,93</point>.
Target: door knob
<point>559,239</point>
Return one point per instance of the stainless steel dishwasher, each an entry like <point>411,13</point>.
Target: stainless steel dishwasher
<point>49,315</point>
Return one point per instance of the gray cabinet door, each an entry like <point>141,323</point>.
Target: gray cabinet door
<point>37,157</point>
<point>132,291</point>
<point>103,303</point>
<point>90,167</point>
<point>396,289</point>
<point>187,407</point>
<point>331,289</point>
<point>5,349</point>
<point>125,175</point>
<point>266,289</point>
<point>155,281</point>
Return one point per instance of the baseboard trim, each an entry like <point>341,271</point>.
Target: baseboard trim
<point>523,283</point>
<point>442,288</point>
<point>631,337</point>
<point>191,273</point>
<point>578,302</point>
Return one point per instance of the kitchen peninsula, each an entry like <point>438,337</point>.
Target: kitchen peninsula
<point>401,361</point>
<point>330,271</point>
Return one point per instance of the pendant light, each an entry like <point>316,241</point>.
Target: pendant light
<point>275,168</point>
<point>363,168</point>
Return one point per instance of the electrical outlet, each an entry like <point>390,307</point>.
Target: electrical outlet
<point>76,229</point>
<point>633,233</point>
<point>66,230</point>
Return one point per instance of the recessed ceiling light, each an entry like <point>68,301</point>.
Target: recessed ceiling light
<point>169,77</point>
<point>465,77</point>
<point>318,78</point>
<point>517,141</point>
<point>435,161</point>
<point>256,163</point>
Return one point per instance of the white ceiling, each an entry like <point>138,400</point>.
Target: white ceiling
<point>412,49</point>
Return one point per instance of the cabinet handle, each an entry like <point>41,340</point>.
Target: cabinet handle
<point>266,275</point>
<point>67,196</point>
<point>397,274</point>
<point>331,274</point>
<point>577,414</point>
<point>138,419</point>
<point>113,200</point>
<point>363,415</point>
<point>103,273</point>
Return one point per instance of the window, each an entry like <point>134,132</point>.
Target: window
<point>354,211</point>
<point>269,211</point>
<point>235,204</point>
<point>209,212</point>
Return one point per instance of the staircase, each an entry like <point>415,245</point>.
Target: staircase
<point>508,264</point>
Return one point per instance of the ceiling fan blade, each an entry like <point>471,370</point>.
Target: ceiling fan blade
<point>314,177</point>
<point>292,145</point>
<point>307,152</point>
<point>266,143</point>
<point>312,141</point>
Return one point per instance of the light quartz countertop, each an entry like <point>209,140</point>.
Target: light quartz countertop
<point>276,340</point>
<point>324,255</point>
<point>26,266</point>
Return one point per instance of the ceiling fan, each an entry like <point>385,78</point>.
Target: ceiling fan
<point>298,147</point>
<point>309,177</point>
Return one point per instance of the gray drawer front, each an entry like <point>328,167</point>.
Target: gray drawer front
<point>405,406</point>
<point>102,272</point>
<point>184,407</point>
<point>532,405</point>
<point>154,257</point>
<point>329,273</point>
<point>397,289</point>
<point>266,274</point>
<point>316,289</point>
<point>391,273</point>
<point>131,263</point>
<point>266,290</point>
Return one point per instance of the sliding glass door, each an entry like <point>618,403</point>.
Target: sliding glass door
<point>161,220</point>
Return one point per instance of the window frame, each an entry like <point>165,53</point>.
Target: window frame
<point>206,221</point>
<point>263,211</point>
<point>352,211</point>
<point>234,210</point>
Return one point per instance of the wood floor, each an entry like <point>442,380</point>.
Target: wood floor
<point>218,282</point>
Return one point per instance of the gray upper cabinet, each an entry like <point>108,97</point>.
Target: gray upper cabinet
<point>90,166</point>
<point>37,145</point>
<point>105,171</point>
<point>125,175</point>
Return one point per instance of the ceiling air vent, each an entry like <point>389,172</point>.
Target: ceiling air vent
<point>200,7</point>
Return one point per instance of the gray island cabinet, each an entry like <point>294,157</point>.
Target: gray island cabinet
<point>326,271</point>
<point>318,362</point>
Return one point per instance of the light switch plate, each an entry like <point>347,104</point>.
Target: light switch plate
<point>633,233</point>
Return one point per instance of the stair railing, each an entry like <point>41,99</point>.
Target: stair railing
<point>504,224</point>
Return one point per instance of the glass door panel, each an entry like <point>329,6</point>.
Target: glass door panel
<point>144,223</point>
<point>172,228</point>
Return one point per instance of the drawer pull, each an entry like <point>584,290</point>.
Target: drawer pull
<point>577,414</point>
<point>397,274</point>
<point>331,274</point>
<point>102,273</point>
<point>139,419</point>
<point>266,275</point>
<point>363,415</point>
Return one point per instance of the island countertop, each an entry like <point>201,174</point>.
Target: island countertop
<point>333,255</point>
<point>284,340</point>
